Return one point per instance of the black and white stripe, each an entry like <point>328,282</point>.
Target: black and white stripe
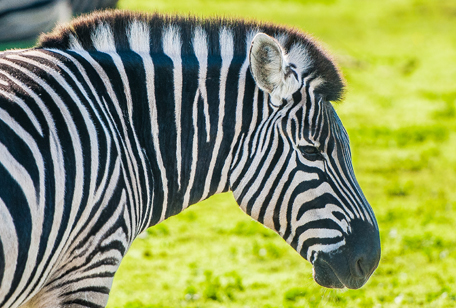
<point>122,120</point>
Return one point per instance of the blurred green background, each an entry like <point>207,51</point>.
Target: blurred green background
<point>399,60</point>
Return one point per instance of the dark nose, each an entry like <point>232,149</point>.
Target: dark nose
<point>364,244</point>
<point>353,263</point>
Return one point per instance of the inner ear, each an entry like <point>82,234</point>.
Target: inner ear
<point>270,69</point>
<point>266,61</point>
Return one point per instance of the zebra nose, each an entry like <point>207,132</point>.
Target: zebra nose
<point>352,264</point>
<point>365,246</point>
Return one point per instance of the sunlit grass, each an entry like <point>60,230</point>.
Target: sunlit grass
<point>399,59</point>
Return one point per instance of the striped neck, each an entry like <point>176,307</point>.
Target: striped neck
<point>187,111</point>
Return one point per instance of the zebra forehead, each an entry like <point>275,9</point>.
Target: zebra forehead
<point>116,30</point>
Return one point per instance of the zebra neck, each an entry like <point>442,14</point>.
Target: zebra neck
<point>196,106</point>
<point>186,114</point>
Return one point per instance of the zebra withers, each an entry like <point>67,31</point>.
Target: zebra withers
<point>120,120</point>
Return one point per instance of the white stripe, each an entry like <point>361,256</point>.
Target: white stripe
<point>74,44</point>
<point>237,155</point>
<point>172,48</point>
<point>324,248</point>
<point>254,131</point>
<point>194,151</point>
<point>201,52</point>
<point>103,38</point>
<point>318,234</point>
<point>316,214</point>
<point>138,37</point>
<point>23,179</point>
<point>265,105</point>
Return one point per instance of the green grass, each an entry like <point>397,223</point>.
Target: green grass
<point>399,59</point>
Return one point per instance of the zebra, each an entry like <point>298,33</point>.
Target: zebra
<point>119,120</point>
<point>26,19</point>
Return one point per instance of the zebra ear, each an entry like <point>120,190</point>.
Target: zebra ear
<point>271,70</point>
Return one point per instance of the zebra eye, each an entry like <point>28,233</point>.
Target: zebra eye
<point>310,152</point>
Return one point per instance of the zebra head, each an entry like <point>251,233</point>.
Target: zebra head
<point>297,177</point>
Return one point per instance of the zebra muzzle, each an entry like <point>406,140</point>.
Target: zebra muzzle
<point>352,264</point>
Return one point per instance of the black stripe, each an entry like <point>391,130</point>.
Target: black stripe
<point>13,197</point>
<point>214,64</point>
<point>190,67</point>
<point>164,79</point>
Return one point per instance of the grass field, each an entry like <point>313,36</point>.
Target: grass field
<point>399,59</point>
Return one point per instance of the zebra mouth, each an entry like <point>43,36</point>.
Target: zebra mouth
<point>335,275</point>
<point>325,276</point>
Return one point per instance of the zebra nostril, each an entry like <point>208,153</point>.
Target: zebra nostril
<point>359,268</point>
<point>365,250</point>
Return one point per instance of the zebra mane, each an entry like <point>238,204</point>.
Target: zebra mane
<point>86,33</point>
